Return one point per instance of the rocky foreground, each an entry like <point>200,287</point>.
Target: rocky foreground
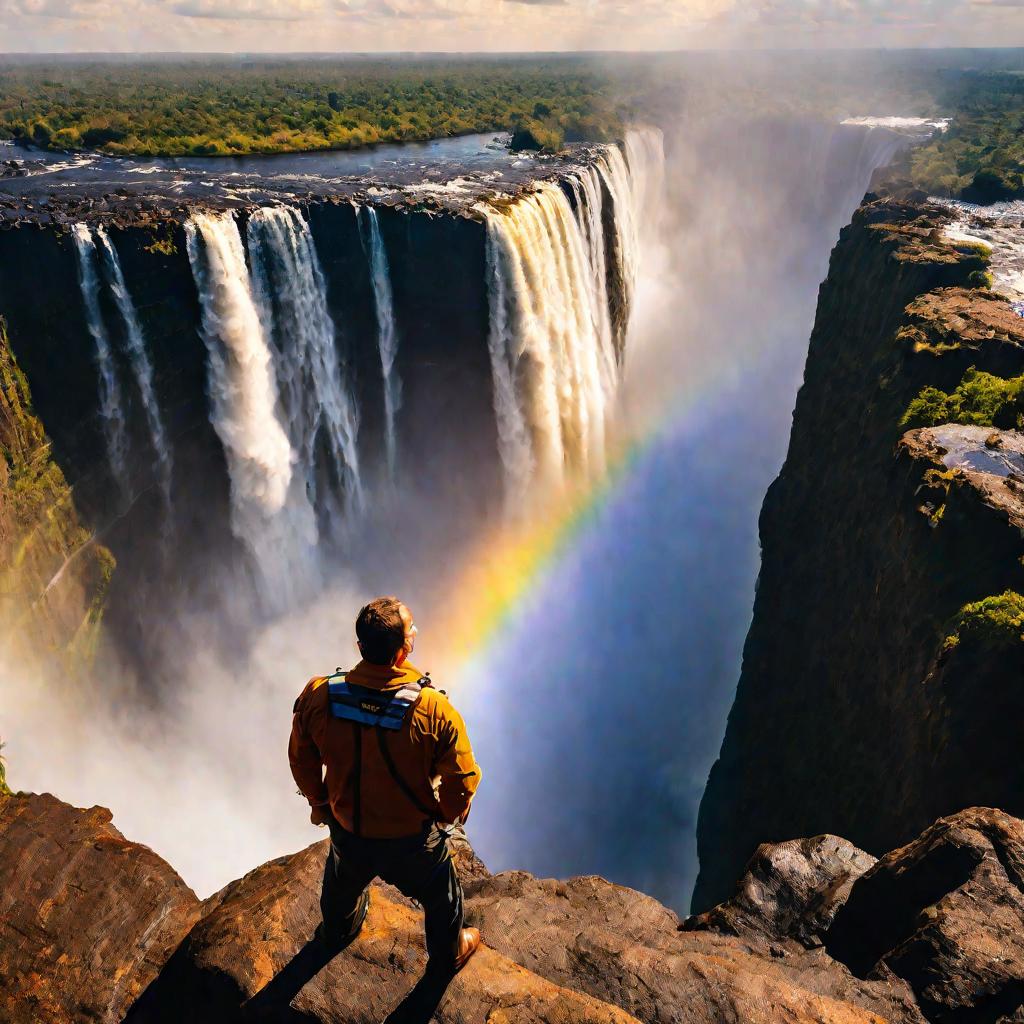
<point>94,927</point>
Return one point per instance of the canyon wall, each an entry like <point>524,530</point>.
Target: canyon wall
<point>881,675</point>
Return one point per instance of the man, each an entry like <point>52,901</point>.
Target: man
<point>399,771</point>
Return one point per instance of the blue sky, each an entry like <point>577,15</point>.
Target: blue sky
<point>503,25</point>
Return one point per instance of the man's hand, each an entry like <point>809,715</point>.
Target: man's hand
<point>319,815</point>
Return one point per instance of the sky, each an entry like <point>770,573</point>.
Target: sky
<point>500,25</point>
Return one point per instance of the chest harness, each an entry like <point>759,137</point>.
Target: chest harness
<point>384,712</point>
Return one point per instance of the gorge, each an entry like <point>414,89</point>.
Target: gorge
<point>333,391</point>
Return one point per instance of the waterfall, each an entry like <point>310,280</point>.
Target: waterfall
<point>319,410</point>
<point>271,511</point>
<point>560,290</point>
<point>111,397</point>
<point>387,333</point>
<point>142,368</point>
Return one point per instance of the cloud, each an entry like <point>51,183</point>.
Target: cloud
<point>467,25</point>
<point>73,10</point>
<point>247,10</point>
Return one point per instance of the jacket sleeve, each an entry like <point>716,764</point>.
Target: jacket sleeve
<point>455,764</point>
<point>304,758</point>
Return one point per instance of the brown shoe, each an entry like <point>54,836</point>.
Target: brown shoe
<point>469,943</point>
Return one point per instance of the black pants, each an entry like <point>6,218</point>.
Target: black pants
<point>419,866</point>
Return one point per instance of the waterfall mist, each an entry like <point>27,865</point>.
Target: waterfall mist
<point>602,704</point>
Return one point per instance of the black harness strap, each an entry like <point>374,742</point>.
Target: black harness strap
<point>402,784</point>
<point>357,781</point>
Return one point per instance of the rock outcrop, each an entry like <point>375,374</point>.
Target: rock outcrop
<point>790,890</point>
<point>94,928</point>
<point>880,683</point>
<point>946,914</point>
<point>87,918</point>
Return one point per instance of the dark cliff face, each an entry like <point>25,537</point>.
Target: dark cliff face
<point>445,424</point>
<point>862,709</point>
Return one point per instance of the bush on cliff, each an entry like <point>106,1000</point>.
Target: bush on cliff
<point>993,623</point>
<point>980,399</point>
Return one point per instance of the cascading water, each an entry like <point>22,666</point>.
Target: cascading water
<point>558,316</point>
<point>271,512</point>
<point>319,410</point>
<point>142,368</point>
<point>387,331</point>
<point>112,403</point>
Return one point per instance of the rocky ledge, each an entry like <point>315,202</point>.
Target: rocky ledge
<point>94,927</point>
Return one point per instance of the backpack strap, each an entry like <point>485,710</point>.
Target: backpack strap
<point>367,706</point>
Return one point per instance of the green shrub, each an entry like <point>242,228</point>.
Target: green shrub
<point>4,789</point>
<point>993,623</point>
<point>980,399</point>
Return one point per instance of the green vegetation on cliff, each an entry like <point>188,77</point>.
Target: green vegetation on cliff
<point>980,399</point>
<point>54,576</point>
<point>992,624</point>
<point>275,106</point>
<point>4,788</point>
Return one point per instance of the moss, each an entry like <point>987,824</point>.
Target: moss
<point>980,279</point>
<point>4,789</point>
<point>163,245</point>
<point>53,574</point>
<point>980,399</point>
<point>994,623</point>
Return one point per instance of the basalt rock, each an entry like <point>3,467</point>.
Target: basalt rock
<point>253,957</point>
<point>932,932</point>
<point>790,891</point>
<point>87,918</point>
<point>871,700</point>
<point>945,913</point>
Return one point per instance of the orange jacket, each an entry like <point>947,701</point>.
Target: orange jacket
<point>430,752</point>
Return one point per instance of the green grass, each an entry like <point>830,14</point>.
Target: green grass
<point>980,399</point>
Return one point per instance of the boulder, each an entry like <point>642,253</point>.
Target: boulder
<point>87,918</point>
<point>624,948</point>
<point>252,956</point>
<point>790,891</point>
<point>945,913</point>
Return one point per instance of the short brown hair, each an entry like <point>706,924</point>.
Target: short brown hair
<point>380,630</point>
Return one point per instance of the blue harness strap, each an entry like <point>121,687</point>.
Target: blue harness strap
<point>366,706</point>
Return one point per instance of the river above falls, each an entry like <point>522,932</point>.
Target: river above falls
<point>452,171</point>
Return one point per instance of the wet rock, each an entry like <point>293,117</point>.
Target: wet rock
<point>789,891</point>
<point>87,918</point>
<point>945,913</point>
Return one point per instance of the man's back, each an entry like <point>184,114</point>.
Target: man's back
<point>380,783</point>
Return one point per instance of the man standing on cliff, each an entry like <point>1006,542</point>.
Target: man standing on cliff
<point>399,771</point>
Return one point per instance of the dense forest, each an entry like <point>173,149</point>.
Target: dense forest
<point>231,106</point>
<point>276,106</point>
<point>981,156</point>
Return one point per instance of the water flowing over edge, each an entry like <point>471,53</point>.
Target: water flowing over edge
<point>387,330</point>
<point>269,513</point>
<point>112,404</point>
<point>561,276</point>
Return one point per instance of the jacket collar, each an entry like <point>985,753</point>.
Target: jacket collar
<point>382,677</point>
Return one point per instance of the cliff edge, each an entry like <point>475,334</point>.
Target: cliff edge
<point>96,928</point>
<point>881,675</point>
